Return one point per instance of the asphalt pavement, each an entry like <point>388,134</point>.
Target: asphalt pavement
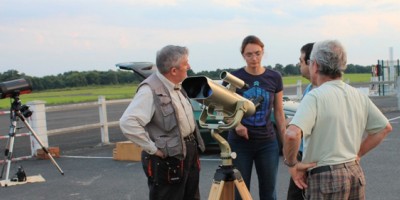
<point>91,173</point>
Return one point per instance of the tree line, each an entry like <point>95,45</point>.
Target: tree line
<point>91,78</point>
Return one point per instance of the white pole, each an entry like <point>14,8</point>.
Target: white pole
<point>398,93</point>
<point>299,90</point>
<point>103,120</point>
<point>392,71</point>
<point>38,123</point>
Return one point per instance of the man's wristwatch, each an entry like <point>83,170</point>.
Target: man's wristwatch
<point>289,164</point>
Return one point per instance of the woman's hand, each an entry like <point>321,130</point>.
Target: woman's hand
<point>242,131</point>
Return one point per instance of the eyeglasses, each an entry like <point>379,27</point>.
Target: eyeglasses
<point>251,54</point>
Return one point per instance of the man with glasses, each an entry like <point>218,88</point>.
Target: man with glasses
<point>332,119</point>
<point>295,193</point>
<point>160,119</point>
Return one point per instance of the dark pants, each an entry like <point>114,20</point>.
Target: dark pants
<point>295,193</point>
<point>264,155</point>
<point>171,178</point>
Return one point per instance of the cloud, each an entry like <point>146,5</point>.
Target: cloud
<point>229,3</point>
<point>58,36</point>
<point>146,2</point>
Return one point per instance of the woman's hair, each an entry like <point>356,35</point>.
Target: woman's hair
<point>251,39</point>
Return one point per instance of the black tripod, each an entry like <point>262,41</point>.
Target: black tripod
<point>19,111</point>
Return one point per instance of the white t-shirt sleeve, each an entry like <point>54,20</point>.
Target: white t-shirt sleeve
<point>306,114</point>
<point>376,121</point>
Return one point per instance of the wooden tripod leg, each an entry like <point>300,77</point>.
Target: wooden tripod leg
<point>216,190</point>
<point>243,191</point>
<point>229,191</point>
<point>222,191</point>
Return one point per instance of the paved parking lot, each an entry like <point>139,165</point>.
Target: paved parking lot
<point>91,173</point>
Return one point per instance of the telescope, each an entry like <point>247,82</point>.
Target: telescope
<point>14,88</point>
<point>223,108</point>
<point>221,103</point>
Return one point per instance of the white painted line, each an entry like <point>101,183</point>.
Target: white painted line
<point>394,118</point>
<point>97,157</point>
<point>85,157</point>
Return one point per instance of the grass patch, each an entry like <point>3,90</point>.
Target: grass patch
<point>76,95</point>
<point>91,93</point>
<point>353,78</point>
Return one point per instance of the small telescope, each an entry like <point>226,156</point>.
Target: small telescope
<point>14,88</point>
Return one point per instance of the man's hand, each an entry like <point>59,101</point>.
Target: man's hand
<point>299,173</point>
<point>160,154</point>
<point>242,131</point>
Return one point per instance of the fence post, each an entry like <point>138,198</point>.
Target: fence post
<point>299,90</point>
<point>103,120</point>
<point>398,92</point>
<point>38,124</point>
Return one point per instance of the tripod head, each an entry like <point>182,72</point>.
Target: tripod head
<point>17,106</point>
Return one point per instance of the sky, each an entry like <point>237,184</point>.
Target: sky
<point>48,37</point>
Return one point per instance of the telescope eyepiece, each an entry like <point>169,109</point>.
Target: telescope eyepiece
<point>258,101</point>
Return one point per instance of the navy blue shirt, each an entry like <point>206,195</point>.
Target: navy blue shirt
<point>259,125</point>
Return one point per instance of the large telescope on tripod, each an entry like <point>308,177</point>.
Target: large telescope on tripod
<point>223,109</point>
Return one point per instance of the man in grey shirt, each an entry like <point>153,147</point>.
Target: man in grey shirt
<point>160,120</point>
<point>332,119</point>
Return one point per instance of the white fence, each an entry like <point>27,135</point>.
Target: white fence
<point>103,124</point>
<point>39,125</point>
<point>38,119</point>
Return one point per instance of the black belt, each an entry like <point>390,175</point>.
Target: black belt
<point>332,167</point>
<point>189,138</point>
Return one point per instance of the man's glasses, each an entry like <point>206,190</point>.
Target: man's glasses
<point>251,54</point>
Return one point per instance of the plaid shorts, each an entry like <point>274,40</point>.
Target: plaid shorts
<point>342,181</point>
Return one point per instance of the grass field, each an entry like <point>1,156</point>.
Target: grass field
<point>87,94</point>
<point>353,78</point>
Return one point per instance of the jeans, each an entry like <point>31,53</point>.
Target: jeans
<point>265,156</point>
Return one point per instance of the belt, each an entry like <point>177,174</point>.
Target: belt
<point>189,138</point>
<point>332,167</point>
